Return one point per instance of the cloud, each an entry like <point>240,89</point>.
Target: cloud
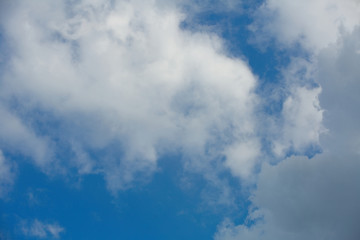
<point>297,125</point>
<point>242,157</point>
<point>312,24</point>
<point>339,76</point>
<point>302,121</point>
<point>7,175</point>
<point>301,198</point>
<point>39,229</point>
<point>110,87</point>
<point>15,136</point>
<point>317,198</point>
<point>113,86</point>
<point>214,6</point>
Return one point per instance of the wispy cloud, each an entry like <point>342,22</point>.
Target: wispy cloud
<point>39,229</point>
<point>7,175</point>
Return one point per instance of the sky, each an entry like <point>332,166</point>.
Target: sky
<point>179,119</point>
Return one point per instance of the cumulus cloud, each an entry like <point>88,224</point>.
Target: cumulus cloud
<point>339,76</point>
<point>39,229</point>
<point>303,198</point>
<point>312,24</point>
<point>241,158</point>
<point>298,125</point>
<point>302,123</point>
<point>114,85</point>
<point>317,198</point>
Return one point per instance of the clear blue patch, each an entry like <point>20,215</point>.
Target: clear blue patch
<point>159,210</point>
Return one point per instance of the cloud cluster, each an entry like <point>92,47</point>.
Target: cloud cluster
<point>312,24</point>
<point>110,87</point>
<point>303,198</point>
<point>104,86</point>
<point>317,198</point>
<point>302,122</point>
<point>40,230</point>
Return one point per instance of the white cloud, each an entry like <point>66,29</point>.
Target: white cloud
<point>41,229</point>
<point>120,84</point>
<point>242,157</point>
<point>7,175</point>
<point>301,198</point>
<point>302,124</point>
<point>313,23</point>
<point>298,125</point>
<point>15,136</point>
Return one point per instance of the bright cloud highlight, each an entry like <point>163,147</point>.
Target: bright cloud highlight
<point>124,81</point>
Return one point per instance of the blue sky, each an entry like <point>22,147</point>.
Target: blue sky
<point>176,119</point>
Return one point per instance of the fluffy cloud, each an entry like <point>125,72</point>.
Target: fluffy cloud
<point>241,158</point>
<point>302,123</point>
<point>39,229</point>
<point>112,86</point>
<point>301,198</point>
<point>313,24</point>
